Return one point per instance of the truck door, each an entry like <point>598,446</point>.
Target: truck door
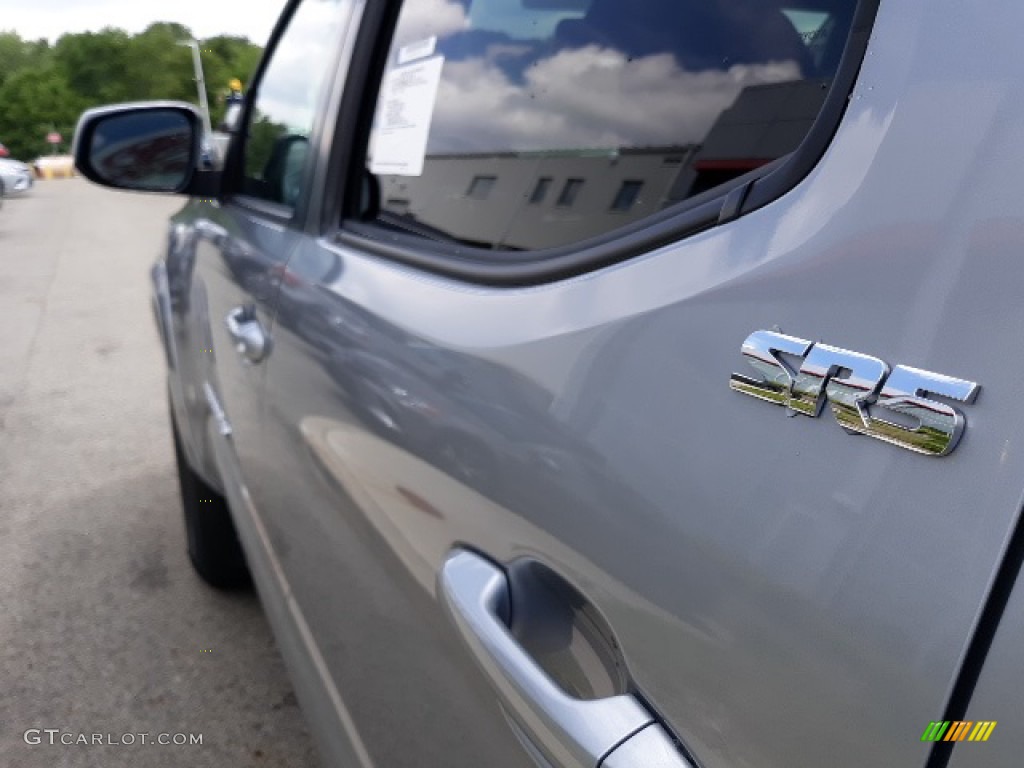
<point>532,512</point>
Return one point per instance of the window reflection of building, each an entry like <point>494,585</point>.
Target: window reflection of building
<point>509,218</point>
<point>764,123</point>
<point>502,200</point>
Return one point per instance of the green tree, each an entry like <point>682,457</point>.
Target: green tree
<point>94,64</point>
<point>160,67</point>
<point>17,54</point>
<point>263,137</point>
<point>36,101</point>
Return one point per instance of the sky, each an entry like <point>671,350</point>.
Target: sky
<point>594,97</point>
<point>33,19</point>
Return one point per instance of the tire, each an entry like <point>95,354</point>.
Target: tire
<point>213,545</point>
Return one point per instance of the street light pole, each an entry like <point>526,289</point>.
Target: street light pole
<point>200,83</point>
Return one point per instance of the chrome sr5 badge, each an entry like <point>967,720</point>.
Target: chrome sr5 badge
<point>860,389</point>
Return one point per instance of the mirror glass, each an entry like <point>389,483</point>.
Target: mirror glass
<point>146,150</point>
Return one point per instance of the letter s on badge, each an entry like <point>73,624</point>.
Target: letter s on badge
<point>858,387</point>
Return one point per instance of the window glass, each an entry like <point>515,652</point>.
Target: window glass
<point>627,195</point>
<point>481,187</point>
<point>569,192</point>
<point>622,108</point>
<point>287,98</point>
<point>541,190</point>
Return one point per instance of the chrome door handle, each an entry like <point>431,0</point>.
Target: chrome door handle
<point>572,733</point>
<point>248,336</point>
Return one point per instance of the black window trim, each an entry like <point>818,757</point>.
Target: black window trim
<point>724,203</point>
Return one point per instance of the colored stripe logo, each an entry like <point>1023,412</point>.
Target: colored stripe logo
<point>959,730</point>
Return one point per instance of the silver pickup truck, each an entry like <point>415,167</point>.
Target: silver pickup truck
<point>593,384</point>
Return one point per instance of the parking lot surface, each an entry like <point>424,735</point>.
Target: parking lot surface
<point>104,629</point>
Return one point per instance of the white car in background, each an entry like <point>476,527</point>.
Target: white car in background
<point>15,177</point>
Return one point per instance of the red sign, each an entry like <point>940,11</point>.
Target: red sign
<point>53,138</point>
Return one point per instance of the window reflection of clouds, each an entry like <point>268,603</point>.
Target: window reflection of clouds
<point>586,98</point>
<point>572,98</point>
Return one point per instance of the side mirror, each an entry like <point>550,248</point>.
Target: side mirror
<point>144,146</point>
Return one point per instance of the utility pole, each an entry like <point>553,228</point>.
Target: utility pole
<point>200,83</point>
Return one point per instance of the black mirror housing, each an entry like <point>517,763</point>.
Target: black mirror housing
<point>152,146</point>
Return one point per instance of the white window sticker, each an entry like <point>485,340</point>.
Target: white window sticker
<point>417,50</point>
<point>403,119</point>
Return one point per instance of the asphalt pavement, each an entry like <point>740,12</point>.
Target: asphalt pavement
<point>105,632</point>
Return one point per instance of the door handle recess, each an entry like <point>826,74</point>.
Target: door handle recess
<point>569,732</point>
<point>250,340</point>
